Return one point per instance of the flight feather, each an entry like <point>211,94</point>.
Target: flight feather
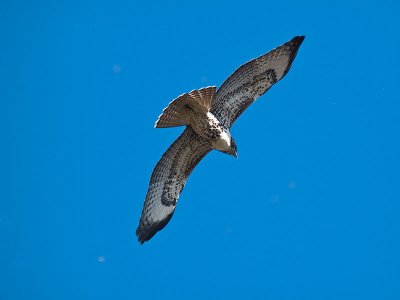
<point>167,181</point>
<point>252,80</point>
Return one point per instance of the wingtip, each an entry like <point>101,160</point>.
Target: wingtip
<point>145,232</point>
<point>298,39</point>
<point>140,236</point>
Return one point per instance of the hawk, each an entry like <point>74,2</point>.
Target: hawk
<point>208,115</point>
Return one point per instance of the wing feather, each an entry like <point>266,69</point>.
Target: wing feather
<point>167,181</point>
<point>252,80</point>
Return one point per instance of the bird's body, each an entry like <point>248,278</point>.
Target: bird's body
<point>208,127</point>
<point>208,115</point>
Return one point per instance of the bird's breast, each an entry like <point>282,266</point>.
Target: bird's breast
<point>208,127</point>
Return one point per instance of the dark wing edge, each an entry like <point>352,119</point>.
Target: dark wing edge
<point>167,181</point>
<point>252,80</point>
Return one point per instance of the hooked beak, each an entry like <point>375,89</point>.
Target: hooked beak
<point>234,153</point>
<point>231,152</point>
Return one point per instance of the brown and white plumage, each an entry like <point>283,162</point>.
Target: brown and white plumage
<point>173,115</point>
<point>167,181</point>
<point>252,80</point>
<point>208,115</point>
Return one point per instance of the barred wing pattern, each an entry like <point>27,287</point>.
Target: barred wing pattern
<point>167,181</point>
<point>252,80</point>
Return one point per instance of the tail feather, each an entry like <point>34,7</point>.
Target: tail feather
<point>177,111</point>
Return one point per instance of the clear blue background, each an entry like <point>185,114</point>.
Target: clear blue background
<point>310,210</point>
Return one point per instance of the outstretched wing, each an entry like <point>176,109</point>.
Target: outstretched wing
<point>167,181</point>
<point>252,80</point>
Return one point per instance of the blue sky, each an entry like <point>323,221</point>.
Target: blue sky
<point>310,210</point>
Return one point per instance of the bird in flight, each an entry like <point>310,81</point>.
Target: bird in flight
<point>208,115</point>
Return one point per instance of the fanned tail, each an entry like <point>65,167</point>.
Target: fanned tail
<point>177,111</point>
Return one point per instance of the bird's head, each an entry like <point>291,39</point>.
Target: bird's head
<point>233,148</point>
